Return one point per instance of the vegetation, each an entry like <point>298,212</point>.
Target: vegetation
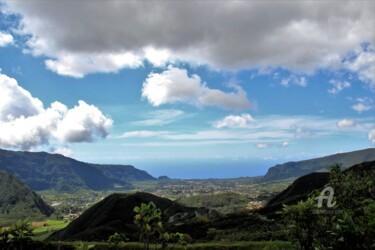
<point>240,245</point>
<point>222,202</point>
<point>348,225</point>
<point>43,229</point>
<point>43,171</point>
<point>148,219</point>
<point>18,201</point>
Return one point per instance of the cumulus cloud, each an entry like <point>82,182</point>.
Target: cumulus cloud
<point>338,86</point>
<point>371,136</point>
<point>16,102</point>
<point>236,121</point>
<point>25,123</point>
<point>347,123</point>
<point>83,123</point>
<point>299,36</point>
<point>5,39</point>
<point>174,85</point>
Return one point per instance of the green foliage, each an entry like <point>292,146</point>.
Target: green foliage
<point>116,239</point>
<point>148,219</point>
<point>349,225</point>
<point>272,245</point>
<point>18,235</point>
<point>18,201</point>
<point>303,223</point>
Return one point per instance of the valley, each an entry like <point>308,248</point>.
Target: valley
<point>239,213</point>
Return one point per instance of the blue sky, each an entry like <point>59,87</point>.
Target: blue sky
<point>172,90</point>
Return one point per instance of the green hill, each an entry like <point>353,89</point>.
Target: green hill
<point>43,171</point>
<point>115,214</point>
<point>300,168</point>
<point>18,201</point>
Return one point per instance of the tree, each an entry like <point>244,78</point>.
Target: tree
<point>348,225</point>
<point>148,219</point>
<point>4,237</point>
<point>21,232</point>
<point>302,223</point>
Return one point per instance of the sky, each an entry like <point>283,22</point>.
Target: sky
<point>188,89</point>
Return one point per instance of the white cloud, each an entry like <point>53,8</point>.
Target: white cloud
<point>26,124</point>
<point>175,85</point>
<point>364,65</point>
<point>294,80</point>
<point>83,123</point>
<point>263,145</point>
<point>79,65</point>
<point>144,134</point>
<point>371,136</point>
<point>275,131</point>
<point>65,151</point>
<point>161,117</point>
<point>361,107</point>
<point>16,102</point>
<point>363,104</point>
<point>338,86</point>
<point>302,132</point>
<point>347,123</point>
<point>5,39</point>
<point>299,36</point>
<point>236,121</point>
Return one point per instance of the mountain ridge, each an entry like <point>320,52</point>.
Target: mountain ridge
<point>300,168</point>
<point>44,171</point>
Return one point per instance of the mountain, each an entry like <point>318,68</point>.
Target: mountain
<point>42,171</point>
<point>124,172</point>
<point>115,214</point>
<point>302,187</point>
<point>300,168</point>
<point>18,201</point>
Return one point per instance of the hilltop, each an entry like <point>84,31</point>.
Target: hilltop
<point>300,168</point>
<point>115,214</point>
<point>18,201</point>
<point>44,171</point>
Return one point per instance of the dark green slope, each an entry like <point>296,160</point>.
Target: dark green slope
<point>42,171</point>
<point>115,214</point>
<point>18,201</point>
<point>302,187</point>
<point>300,168</point>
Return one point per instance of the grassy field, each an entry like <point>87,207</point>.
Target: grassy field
<point>43,229</point>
